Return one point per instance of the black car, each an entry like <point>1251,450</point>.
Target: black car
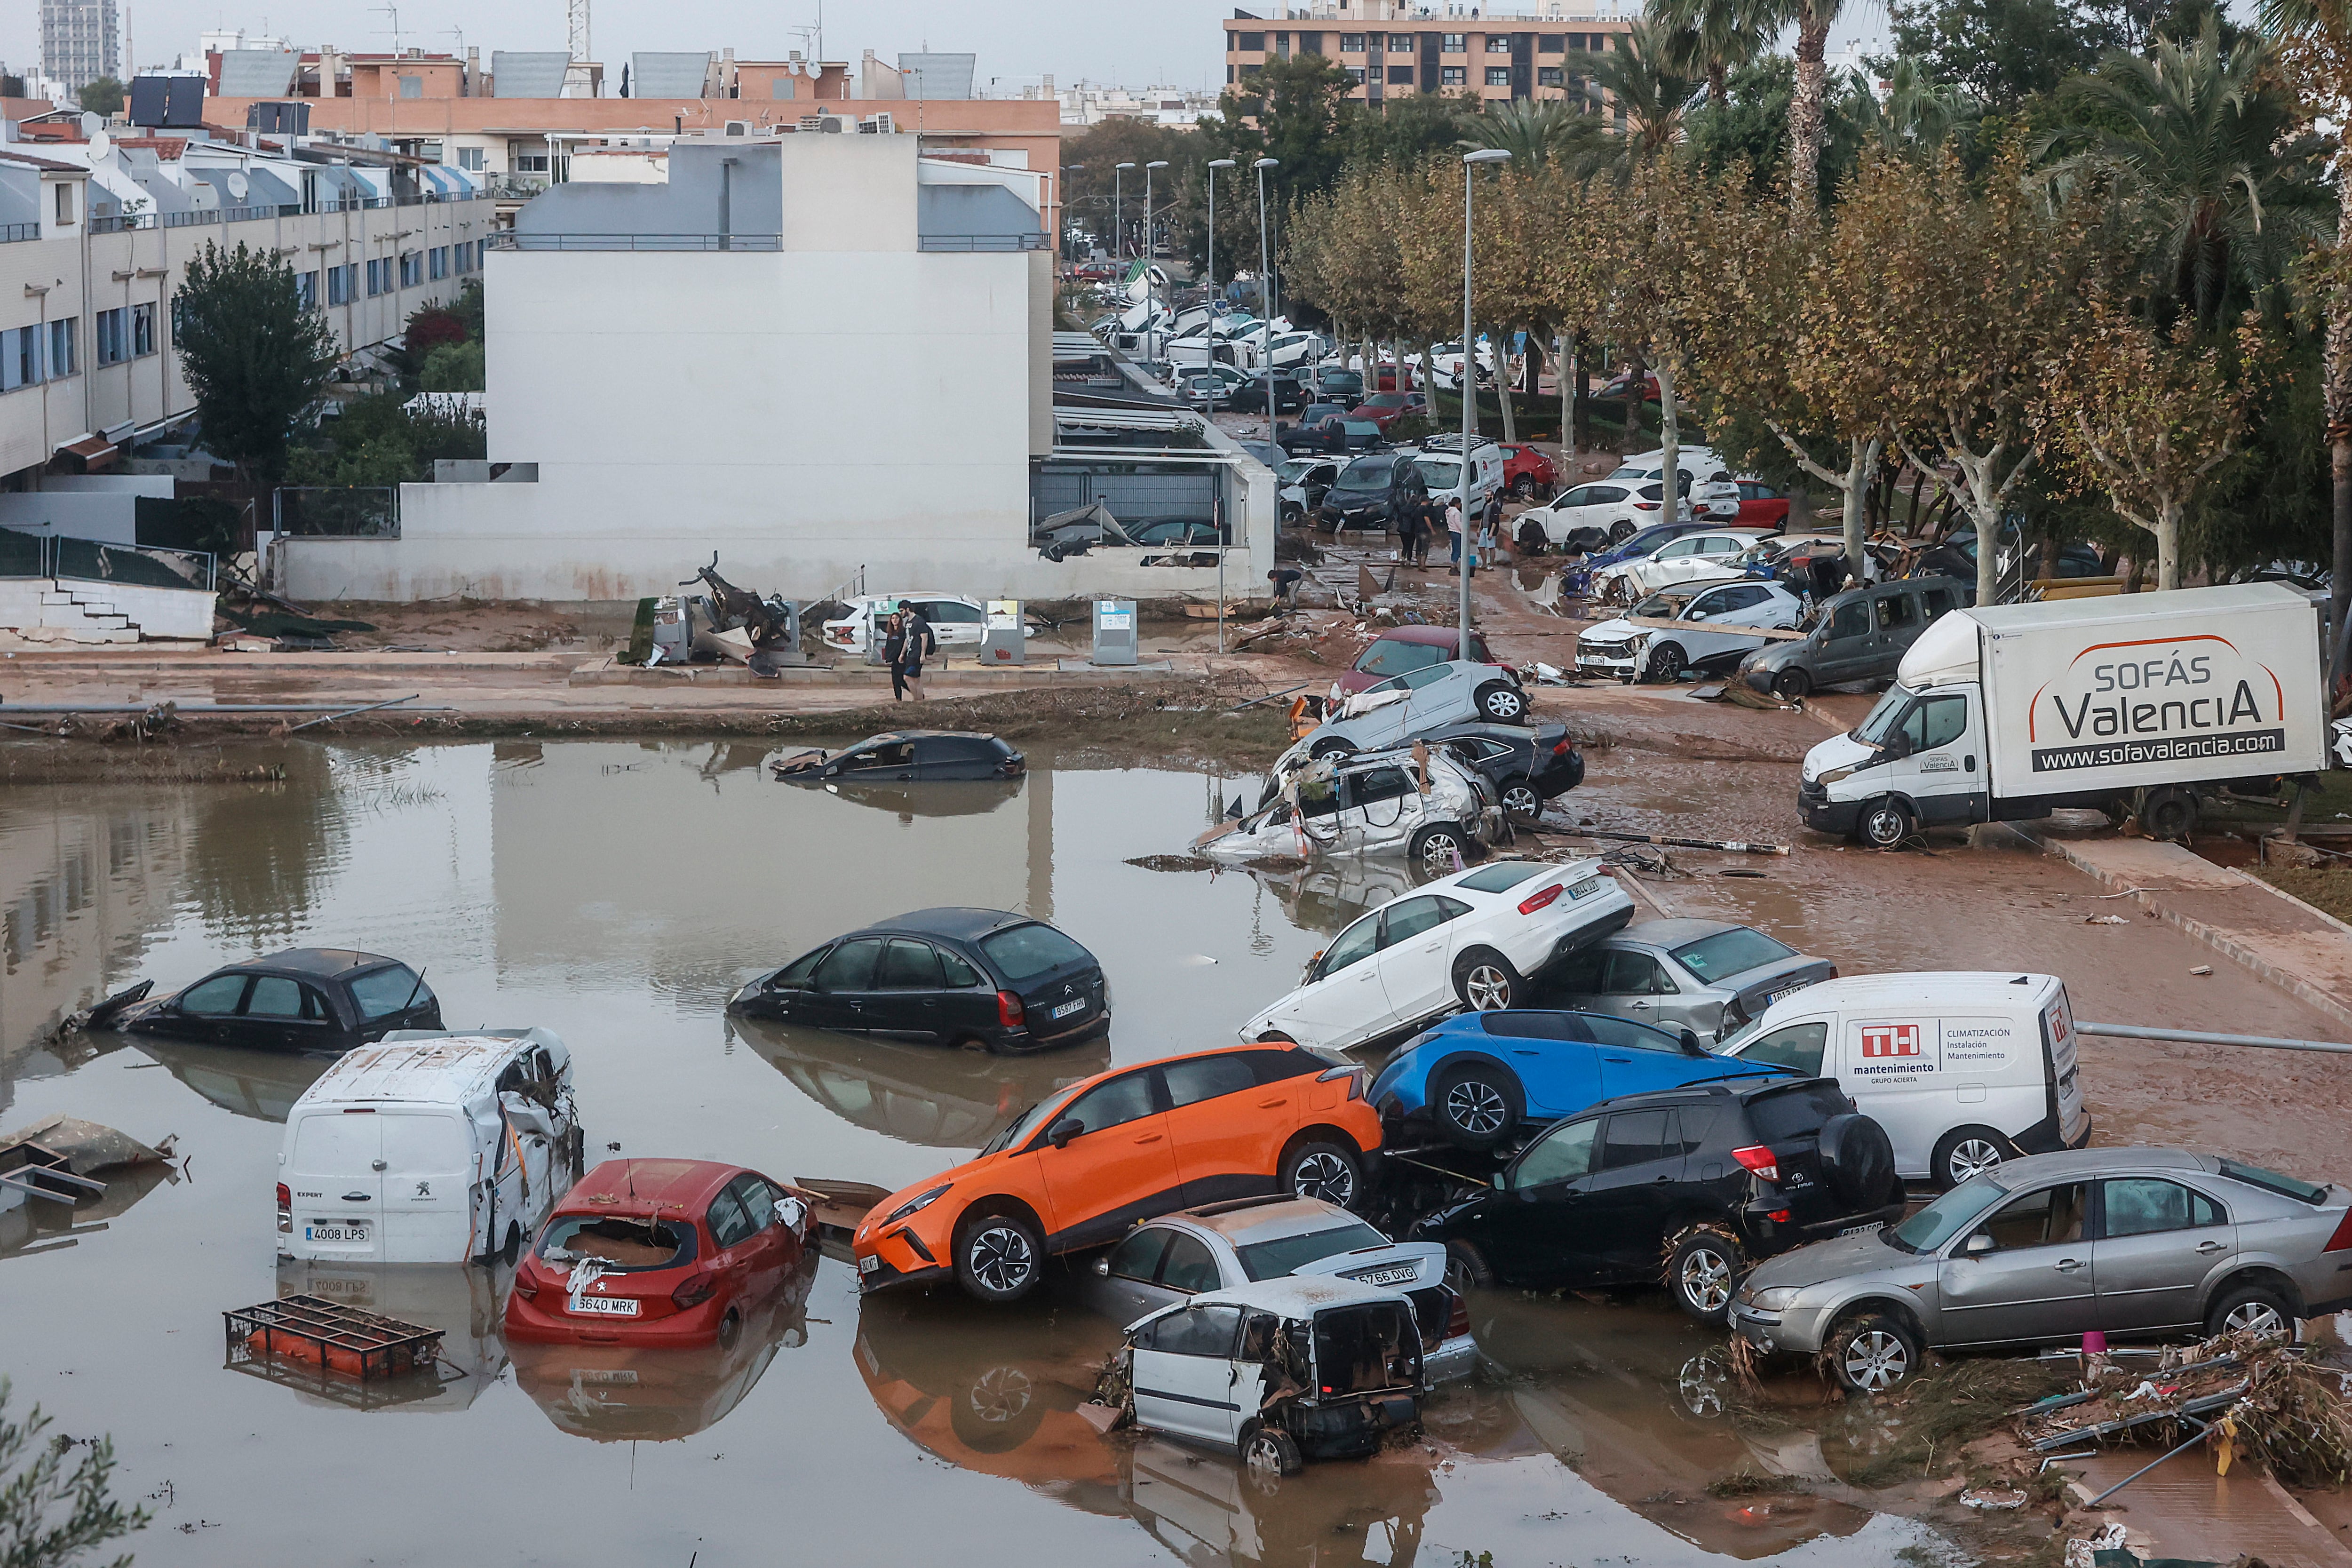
<point>1249,397</point>
<point>952,976</point>
<point>1702,1180</point>
<point>1371,491</point>
<point>928,756</point>
<point>303,999</point>
<point>1527,766</point>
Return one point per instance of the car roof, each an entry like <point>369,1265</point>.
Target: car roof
<point>318,962</point>
<point>895,735</point>
<point>1427,636</point>
<point>951,921</point>
<point>425,1069</point>
<point>626,1186</point>
<point>1246,1221</point>
<point>1297,1295</point>
<point>2014,1174</point>
<point>1932,988</point>
<point>1671,932</point>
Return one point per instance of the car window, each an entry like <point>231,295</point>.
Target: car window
<point>1632,974</point>
<point>1376,784</point>
<point>2142,1206</point>
<point>1851,619</point>
<point>2272,1182</point>
<point>1358,942</point>
<point>1897,612</point>
<point>1578,974</point>
<point>622,1243</point>
<point>1940,600</point>
<point>1690,1127</point>
<point>2046,1218</point>
<point>898,754</point>
<point>1563,1155</point>
<point>383,992</point>
<point>797,974</point>
<point>1386,658</point>
<point>1196,1079</point>
<point>1404,922</point>
<point>1196,1331</point>
<point>759,1201</point>
<point>1137,1258</point>
<point>274,997</point>
<point>1721,546</point>
<point>1730,953</point>
<point>1189,1266</point>
<point>850,966</point>
<point>1798,1111</point>
<point>213,997</point>
<point>908,966</point>
<point>1286,1255</point>
<point>1798,1045</point>
<point>1123,1099</point>
<point>1679,548</point>
<point>1428,675</point>
<point>1635,1138</point>
<point>1024,951</point>
<point>728,1223</point>
<point>1624,1034</point>
<point>1936,721</point>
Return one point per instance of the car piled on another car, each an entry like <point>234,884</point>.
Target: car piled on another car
<point>1391,711</point>
<point>1433,808</point>
<point>1706,636</point>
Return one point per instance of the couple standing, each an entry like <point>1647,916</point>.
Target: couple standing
<point>907,638</point>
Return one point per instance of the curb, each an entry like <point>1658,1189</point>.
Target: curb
<point>2227,946</point>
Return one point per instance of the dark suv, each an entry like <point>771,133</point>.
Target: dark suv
<point>1684,1187</point>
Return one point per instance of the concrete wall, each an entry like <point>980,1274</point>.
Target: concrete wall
<point>71,607</point>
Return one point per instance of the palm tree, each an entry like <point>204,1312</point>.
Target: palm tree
<point>1807,106</point>
<point>2198,160</point>
<point>1919,113</point>
<point>1532,130</point>
<point>1715,38</point>
<point>1640,87</point>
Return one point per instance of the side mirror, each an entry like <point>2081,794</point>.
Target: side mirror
<point>1977,1246</point>
<point>1102,1268</point>
<point>1062,1132</point>
<point>1691,1046</point>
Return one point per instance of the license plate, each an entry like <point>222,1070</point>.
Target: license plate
<point>604,1306</point>
<point>335,1233</point>
<point>1586,889</point>
<point>869,1264</point>
<point>1395,1274</point>
<point>1066,1008</point>
<point>1863,1229</point>
<point>1773,996</point>
<point>608,1376</point>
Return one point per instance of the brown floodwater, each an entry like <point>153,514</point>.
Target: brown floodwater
<point>616,893</point>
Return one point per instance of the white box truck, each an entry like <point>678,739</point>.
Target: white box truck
<point>2134,704</point>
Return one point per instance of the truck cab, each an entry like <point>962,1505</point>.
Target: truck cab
<point>1918,761</point>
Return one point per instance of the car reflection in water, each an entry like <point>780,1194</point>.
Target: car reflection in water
<point>464,1301</point>
<point>933,1097</point>
<point>262,1085</point>
<point>37,1225</point>
<point>619,1393</point>
<point>1327,895</point>
<point>1638,1402</point>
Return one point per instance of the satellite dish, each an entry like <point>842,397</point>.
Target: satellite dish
<point>91,125</point>
<point>237,183</point>
<point>101,143</point>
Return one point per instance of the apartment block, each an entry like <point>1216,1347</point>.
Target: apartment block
<point>1392,48</point>
<point>82,40</point>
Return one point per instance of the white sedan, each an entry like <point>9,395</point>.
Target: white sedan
<point>956,621</point>
<point>1683,560</point>
<point>1708,635</point>
<point>1475,940</point>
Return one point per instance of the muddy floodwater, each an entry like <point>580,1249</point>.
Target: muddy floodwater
<point>616,893</point>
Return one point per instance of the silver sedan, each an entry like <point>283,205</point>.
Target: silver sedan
<point>1708,976</point>
<point>2138,1243</point>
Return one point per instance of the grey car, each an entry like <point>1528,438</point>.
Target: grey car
<point>1405,706</point>
<point>1708,976</point>
<point>1858,635</point>
<point>1166,1261</point>
<point>2139,1243</point>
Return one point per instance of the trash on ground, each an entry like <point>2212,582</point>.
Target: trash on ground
<point>1733,845</point>
<point>1992,1498</point>
<point>1173,863</point>
<point>2105,921</point>
<point>328,1335</point>
<point>2202,969</point>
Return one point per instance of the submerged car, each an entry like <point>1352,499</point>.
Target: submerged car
<point>1710,976</point>
<point>1708,635</point>
<point>1165,1262</point>
<point>2138,1243</point>
<point>1472,940</point>
<point>1280,1370</point>
<point>1439,812</point>
<point>952,976</point>
<point>905,756</point>
<point>302,999</point>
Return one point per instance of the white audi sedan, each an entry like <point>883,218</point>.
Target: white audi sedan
<point>1475,939</point>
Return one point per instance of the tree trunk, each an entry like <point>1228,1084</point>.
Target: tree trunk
<point>1503,383</point>
<point>1670,438</point>
<point>1860,474</point>
<point>1635,382</point>
<point>2337,397</point>
<point>1716,94</point>
<point>1583,391</point>
<point>1565,372</point>
<point>1805,111</point>
<point>2168,544</point>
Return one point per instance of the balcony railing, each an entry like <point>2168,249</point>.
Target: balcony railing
<point>977,242</point>
<point>511,240</point>
<point>11,232</point>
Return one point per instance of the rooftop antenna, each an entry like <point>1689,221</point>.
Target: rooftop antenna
<point>576,21</point>
<point>394,12</point>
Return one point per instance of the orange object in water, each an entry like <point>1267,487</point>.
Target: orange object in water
<point>336,1358</point>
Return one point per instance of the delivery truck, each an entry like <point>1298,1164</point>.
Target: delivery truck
<point>2138,705</point>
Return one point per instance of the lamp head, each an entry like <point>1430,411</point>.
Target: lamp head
<point>1122,165</point>
<point>1486,156</point>
<point>1222,164</point>
<point>1267,163</point>
<point>1156,163</point>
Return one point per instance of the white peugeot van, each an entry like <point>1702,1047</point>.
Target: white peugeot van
<point>428,1148</point>
<point>1963,1069</point>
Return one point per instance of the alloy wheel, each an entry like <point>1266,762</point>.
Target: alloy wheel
<point>1970,1157</point>
<point>1701,1382</point>
<point>1265,1459</point>
<point>1440,851</point>
<point>1324,1175</point>
<point>1876,1361</point>
<point>2255,1317</point>
<point>1476,1107</point>
<point>1000,1258</point>
<point>1488,988</point>
<point>1505,705</point>
<point>1521,800</point>
<point>1001,1396</point>
<point>1707,1280</point>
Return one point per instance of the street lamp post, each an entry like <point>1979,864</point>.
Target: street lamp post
<point>1150,249</point>
<point>1119,205</point>
<point>1214,164</point>
<point>1467,383</point>
<point>1266,284</point>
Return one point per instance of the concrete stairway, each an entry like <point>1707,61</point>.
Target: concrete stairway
<point>53,611</point>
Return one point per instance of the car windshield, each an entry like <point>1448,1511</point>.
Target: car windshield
<point>383,992</point>
<point>622,1243</point>
<point>1728,953</point>
<point>1296,469</point>
<point>1024,1124</point>
<point>1025,952</point>
<point>1946,1218</point>
<point>1797,1112</point>
<point>1273,1259</point>
<point>1874,730</point>
<point>1367,474</point>
<point>2271,1181</point>
<point>1649,539</point>
<point>1442,473</point>
<point>1664,606</point>
<point>1505,874</point>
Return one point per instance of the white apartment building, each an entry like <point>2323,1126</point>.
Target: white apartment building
<point>82,40</point>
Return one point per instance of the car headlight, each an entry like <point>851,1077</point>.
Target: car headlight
<point>1833,775</point>
<point>917,1203</point>
<point>1772,1297</point>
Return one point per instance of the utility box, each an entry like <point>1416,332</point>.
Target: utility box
<point>1003,639</point>
<point>1115,631</point>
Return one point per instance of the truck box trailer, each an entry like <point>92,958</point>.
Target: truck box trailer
<point>2136,704</point>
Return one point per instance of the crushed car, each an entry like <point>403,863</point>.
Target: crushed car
<point>1707,633</point>
<point>1424,804</point>
<point>903,756</point>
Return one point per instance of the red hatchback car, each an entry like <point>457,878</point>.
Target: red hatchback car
<point>1386,408</point>
<point>1395,651</point>
<point>660,1252</point>
<point>1529,473</point>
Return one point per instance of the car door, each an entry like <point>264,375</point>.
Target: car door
<point>1844,652</point>
<point>1417,954</point>
<point>772,1248</point>
<point>1674,562</point>
<point>1227,1129</point>
<point>842,986</point>
<point>208,1010</point>
<point>1130,1285</point>
<point>1938,767</point>
<point>1185,1376</point>
<point>731,1235</point>
<point>1635,1059</point>
<point>1557,1065</point>
<point>2159,1242</point>
<point>1896,614</point>
<point>910,999</point>
<point>282,1014</point>
<point>2030,1280</point>
<point>1622,1219</point>
<point>1116,1168</point>
<point>1534,1235</point>
<point>1344,1003</point>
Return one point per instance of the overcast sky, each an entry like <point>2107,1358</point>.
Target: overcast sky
<point>1138,43</point>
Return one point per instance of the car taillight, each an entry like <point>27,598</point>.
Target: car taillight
<point>285,1208</point>
<point>2341,1240</point>
<point>1833,974</point>
<point>1537,900</point>
<point>526,1283</point>
<point>1761,1160</point>
<point>1561,749</point>
<point>1647,505</point>
<point>1354,1075</point>
<point>1009,1011</point>
<point>1458,1321</point>
<point>694,1290</point>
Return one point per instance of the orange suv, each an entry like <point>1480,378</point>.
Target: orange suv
<point>1076,1169</point>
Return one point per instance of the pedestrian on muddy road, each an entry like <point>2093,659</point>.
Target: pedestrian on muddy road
<point>907,672</point>
<point>893,633</point>
<point>1409,530</point>
<point>1454,524</point>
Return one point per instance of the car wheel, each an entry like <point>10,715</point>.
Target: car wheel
<point>731,1328</point>
<point>1620,532</point>
<point>1887,823</point>
<point>1486,982</point>
<point>1467,1268</point>
<point>1440,848</point>
<point>1873,1351</point>
<point>1963,1153</point>
<point>1522,800</point>
<point>1000,1410</point>
<point>999,1257</point>
<point>1667,663</point>
<point>1523,486</point>
<point>1702,1271</point>
<point>2257,1310</point>
<point>1503,702</point>
<point>2169,814</point>
<point>1269,1456</point>
<point>1477,1105</point>
<point>1326,1171</point>
<point>1791,685</point>
<point>1330,746</point>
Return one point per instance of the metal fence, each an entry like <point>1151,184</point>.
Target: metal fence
<point>511,240</point>
<point>51,556</point>
<point>978,242</point>
<point>11,232</point>
<point>336,512</point>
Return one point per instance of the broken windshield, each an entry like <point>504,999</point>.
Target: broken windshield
<point>622,1243</point>
<point>1366,1350</point>
<point>1874,730</point>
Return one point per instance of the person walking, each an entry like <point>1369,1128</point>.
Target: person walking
<point>919,643</point>
<point>1408,528</point>
<point>1490,524</point>
<point>894,644</point>
<point>1454,524</point>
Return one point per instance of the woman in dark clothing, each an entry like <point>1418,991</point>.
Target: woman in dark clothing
<point>893,646</point>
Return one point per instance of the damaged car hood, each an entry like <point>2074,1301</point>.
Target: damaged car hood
<point>1837,751</point>
<point>1841,1258</point>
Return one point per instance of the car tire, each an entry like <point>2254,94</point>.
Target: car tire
<point>1330,746</point>
<point>1486,982</point>
<point>1965,1152</point>
<point>1885,823</point>
<point>1522,800</point>
<point>731,1328</point>
<point>1620,532</point>
<point>2169,814</point>
<point>1322,1169</point>
<point>1667,662</point>
<point>2254,1308</point>
<point>1467,1268</point>
<point>1524,488</point>
<point>1269,1456</point>
<point>1792,685</point>
<point>1503,702</point>
<point>1871,1352</point>
<point>998,1256</point>
<point>1438,845</point>
<point>1475,1105</point>
<point>1858,1160</point>
<point>1703,1270</point>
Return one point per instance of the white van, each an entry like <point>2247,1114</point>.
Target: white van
<point>1439,459</point>
<point>1963,1069</point>
<point>428,1148</point>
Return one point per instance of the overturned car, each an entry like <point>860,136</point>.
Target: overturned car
<point>1422,802</point>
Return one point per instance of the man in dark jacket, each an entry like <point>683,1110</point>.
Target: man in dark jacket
<point>909,670</point>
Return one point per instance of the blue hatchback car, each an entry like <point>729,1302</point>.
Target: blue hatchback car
<point>1477,1076</point>
<point>1641,542</point>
